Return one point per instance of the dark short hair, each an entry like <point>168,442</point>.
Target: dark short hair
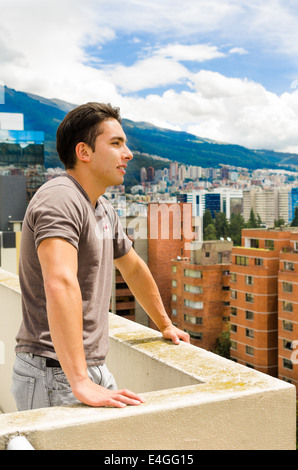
<point>82,124</point>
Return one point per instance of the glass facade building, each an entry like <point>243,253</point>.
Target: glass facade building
<point>21,148</point>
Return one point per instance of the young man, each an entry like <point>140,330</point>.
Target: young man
<point>71,235</point>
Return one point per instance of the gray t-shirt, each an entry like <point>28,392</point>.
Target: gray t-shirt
<point>61,208</point>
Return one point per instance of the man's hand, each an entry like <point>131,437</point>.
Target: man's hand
<point>95,395</point>
<point>173,333</point>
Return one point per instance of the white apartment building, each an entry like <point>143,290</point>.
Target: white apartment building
<point>271,204</point>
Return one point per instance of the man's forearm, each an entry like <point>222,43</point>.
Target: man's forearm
<point>145,290</point>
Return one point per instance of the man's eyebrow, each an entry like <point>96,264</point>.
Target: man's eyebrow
<point>120,138</point>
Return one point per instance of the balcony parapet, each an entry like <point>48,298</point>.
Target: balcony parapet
<point>194,399</point>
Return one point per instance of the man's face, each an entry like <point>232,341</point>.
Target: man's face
<point>111,154</point>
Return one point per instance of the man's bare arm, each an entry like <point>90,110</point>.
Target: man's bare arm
<point>58,260</point>
<point>138,277</point>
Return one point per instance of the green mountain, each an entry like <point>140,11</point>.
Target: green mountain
<point>45,115</point>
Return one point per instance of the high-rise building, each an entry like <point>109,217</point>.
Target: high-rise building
<point>201,292</point>
<point>254,298</point>
<point>288,312</point>
<point>293,202</point>
<point>170,231</point>
<point>22,150</point>
<point>270,204</point>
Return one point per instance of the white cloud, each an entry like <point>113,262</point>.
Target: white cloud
<point>238,50</point>
<point>149,73</point>
<point>195,52</point>
<point>229,110</point>
<point>43,50</point>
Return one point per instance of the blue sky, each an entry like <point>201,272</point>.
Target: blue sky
<point>221,69</point>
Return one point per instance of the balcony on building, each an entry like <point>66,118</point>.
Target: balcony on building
<point>195,399</point>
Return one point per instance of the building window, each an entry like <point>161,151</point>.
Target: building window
<point>286,344</point>
<point>174,283</point>
<point>249,280</point>
<point>195,334</point>
<point>249,333</point>
<point>219,257</point>
<point>234,345</point>
<point>259,261</point>
<point>174,269</point>
<point>249,298</point>
<point>233,294</point>
<point>174,312</point>
<point>192,319</point>
<point>254,243</point>
<point>193,273</point>
<point>242,260</point>
<point>287,364</point>
<point>287,325</point>
<point>193,289</point>
<point>249,315</point>
<point>233,277</point>
<point>193,304</point>
<point>269,244</point>
<point>287,287</point>
<point>249,350</point>
<point>234,311</point>
<point>288,266</point>
<point>287,306</point>
<point>174,297</point>
<point>234,328</point>
<point>226,288</point>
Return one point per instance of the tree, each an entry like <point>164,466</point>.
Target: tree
<point>279,222</point>
<point>236,225</point>
<point>254,221</point>
<point>223,344</point>
<point>294,222</point>
<point>221,225</point>
<point>210,232</point>
<point>207,218</point>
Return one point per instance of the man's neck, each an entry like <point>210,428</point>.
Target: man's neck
<point>93,191</point>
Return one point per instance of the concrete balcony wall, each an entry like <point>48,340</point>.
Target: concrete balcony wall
<point>194,399</point>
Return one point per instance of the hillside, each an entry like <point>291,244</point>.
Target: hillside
<point>45,115</point>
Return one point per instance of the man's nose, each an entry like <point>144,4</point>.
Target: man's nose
<point>127,154</point>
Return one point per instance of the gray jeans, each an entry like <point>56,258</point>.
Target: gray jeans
<point>34,385</point>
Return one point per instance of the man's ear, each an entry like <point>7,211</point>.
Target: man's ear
<point>83,152</point>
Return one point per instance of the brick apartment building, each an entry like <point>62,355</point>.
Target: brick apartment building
<point>288,312</point>
<point>264,301</point>
<point>170,229</point>
<point>201,292</point>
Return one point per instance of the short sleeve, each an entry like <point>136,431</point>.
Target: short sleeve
<point>121,242</point>
<point>57,212</point>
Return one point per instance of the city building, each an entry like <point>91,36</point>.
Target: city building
<point>201,292</point>
<point>171,228</point>
<point>293,202</point>
<point>288,312</point>
<point>254,298</point>
<point>21,150</point>
<point>271,204</point>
